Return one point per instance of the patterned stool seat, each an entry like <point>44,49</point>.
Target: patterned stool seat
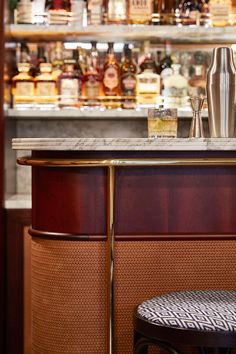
<point>198,310</point>
<point>202,319</point>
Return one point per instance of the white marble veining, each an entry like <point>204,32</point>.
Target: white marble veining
<point>124,144</point>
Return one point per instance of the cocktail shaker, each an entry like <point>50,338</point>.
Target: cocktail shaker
<point>221,89</point>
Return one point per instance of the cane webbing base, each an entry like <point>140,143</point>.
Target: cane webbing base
<point>68,297</point>
<point>68,287</point>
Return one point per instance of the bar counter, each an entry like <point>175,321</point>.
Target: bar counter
<point>117,221</point>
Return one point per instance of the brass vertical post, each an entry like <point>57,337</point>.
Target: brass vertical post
<point>110,258</point>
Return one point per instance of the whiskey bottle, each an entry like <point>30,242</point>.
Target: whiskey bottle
<point>41,58</point>
<point>116,11</point>
<point>148,88</point>
<point>46,90</point>
<point>140,11</point>
<point>77,12</point>
<point>190,12</point>
<point>197,84</point>
<point>166,62</point>
<point>128,80</point>
<point>92,78</point>
<point>69,85</point>
<point>220,12</point>
<point>169,12</point>
<point>57,60</point>
<point>175,90</point>
<point>7,87</point>
<point>111,73</point>
<point>95,12</point>
<point>58,11</point>
<point>148,81</point>
<point>146,61</point>
<point>23,87</point>
<point>24,12</point>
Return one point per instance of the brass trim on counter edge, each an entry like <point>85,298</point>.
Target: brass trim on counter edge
<point>110,258</point>
<point>39,162</point>
<point>61,236</point>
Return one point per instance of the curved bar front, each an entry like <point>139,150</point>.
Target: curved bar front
<point>158,222</point>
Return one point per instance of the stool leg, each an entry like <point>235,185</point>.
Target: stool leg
<point>217,350</point>
<point>140,344</point>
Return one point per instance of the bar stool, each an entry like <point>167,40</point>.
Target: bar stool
<point>202,319</point>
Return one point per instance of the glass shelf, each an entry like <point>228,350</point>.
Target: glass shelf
<point>158,34</point>
<point>94,113</point>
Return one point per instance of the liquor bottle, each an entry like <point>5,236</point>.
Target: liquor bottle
<point>23,87</point>
<point>24,55</point>
<point>197,84</point>
<point>95,12</point>
<point>148,88</point>
<point>69,85</point>
<point>175,90</point>
<point>156,13</point>
<point>232,15</point>
<point>140,11</point>
<point>148,81</point>
<point>57,60</point>
<point>7,87</point>
<point>166,62</point>
<point>146,60</point>
<point>111,73</point>
<point>24,11</point>
<point>116,11</point>
<point>77,12</point>
<point>92,79</point>
<point>128,80</point>
<point>190,12</point>
<point>45,86</point>
<point>158,61</point>
<point>169,12</point>
<point>41,58</point>
<point>58,11</point>
<point>220,12</point>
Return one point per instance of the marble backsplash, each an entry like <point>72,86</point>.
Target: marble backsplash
<point>87,128</point>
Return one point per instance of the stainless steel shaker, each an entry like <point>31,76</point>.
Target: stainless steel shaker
<point>221,91</point>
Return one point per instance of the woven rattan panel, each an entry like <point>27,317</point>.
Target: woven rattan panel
<point>68,288</point>
<point>68,297</point>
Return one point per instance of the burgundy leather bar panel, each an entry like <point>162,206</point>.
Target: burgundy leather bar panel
<point>149,200</point>
<point>71,200</point>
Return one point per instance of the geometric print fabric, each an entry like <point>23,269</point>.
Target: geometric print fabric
<point>211,310</point>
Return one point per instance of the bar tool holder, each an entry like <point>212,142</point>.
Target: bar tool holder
<point>196,129</point>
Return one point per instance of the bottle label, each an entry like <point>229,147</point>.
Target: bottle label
<point>117,10</point>
<point>219,13</point>
<point>140,10</point>
<point>95,12</point>
<point>128,82</point>
<point>92,88</point>
<point>69,91</point>
<point>175,92</point>
<point>149,84</point>
<point>166,72</point>
<point>46,89</point>
<point>24,89</point>
<point>111,78</point>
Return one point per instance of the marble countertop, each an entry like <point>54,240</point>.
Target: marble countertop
<point>125,144</point>
<point>18,201</point>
